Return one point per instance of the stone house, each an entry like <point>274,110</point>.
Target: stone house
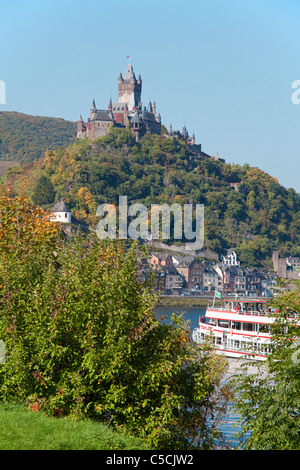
<point>212,279</point>
<point>192,271</point>
<point>173,280</point>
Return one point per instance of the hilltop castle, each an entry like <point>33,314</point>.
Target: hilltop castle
<point>127,111</point>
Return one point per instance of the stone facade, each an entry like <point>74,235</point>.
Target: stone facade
<point>128,110</point>
<point>191,270</point>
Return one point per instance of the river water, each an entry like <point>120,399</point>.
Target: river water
<point>229,426</point>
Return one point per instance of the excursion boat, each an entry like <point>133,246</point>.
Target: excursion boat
<point>238,328</point>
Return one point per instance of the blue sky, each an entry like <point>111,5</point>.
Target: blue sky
<point>223,69</point>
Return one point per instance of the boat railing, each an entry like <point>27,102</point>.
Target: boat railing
<point>260,313</point>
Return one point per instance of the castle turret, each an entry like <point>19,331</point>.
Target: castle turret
<point>93,110</point>
<point>80,128</point>
<point>136,125</point>
<point>130,89</point>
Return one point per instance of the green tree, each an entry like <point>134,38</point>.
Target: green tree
<point>43,192</point>
<point>269,400</point>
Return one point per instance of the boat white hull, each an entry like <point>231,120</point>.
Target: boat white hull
<point>234,353</point>
<point>240,329</point>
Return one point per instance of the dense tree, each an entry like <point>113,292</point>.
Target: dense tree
<point>25,138</point>
<point>43,192</point>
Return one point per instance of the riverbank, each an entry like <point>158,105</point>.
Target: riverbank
<point>178,301</point>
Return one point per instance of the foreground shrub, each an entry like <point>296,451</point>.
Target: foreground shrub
<point>82,341</point>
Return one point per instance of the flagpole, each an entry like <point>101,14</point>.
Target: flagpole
<point>214,299</point>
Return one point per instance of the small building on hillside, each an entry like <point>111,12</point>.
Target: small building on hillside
<point>230,258</point>
<point>61,213</point>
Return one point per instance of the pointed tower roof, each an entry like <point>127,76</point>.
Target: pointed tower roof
<point>129,74</point>
<point>93,105</point>
<point>136,118</point>
<point>60,207</point>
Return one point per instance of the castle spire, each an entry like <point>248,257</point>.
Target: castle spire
<point>129,73</point>
<point>93,105</point>
<point>93,110</point>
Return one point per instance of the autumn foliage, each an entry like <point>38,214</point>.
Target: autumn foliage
<point>23,227</point>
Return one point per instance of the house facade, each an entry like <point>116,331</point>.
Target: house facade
<point>177,275</point>
<point>192,271</point>
<point>212,280</point>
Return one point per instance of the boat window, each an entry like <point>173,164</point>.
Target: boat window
<point>223,323</point>
<point>264,328</point>
<point>248,327</point>
<point>218,340</point>
<point>236,325</point>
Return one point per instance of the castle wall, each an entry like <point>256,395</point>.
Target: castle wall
<point>99,128</point>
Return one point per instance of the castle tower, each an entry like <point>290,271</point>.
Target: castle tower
<point>136,126</point>
<point>80,127</point>
<point>130,89</point>
<point>93,110</point>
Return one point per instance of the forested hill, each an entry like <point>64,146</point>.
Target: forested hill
<point>245,208</point>
<point>25,138</point>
